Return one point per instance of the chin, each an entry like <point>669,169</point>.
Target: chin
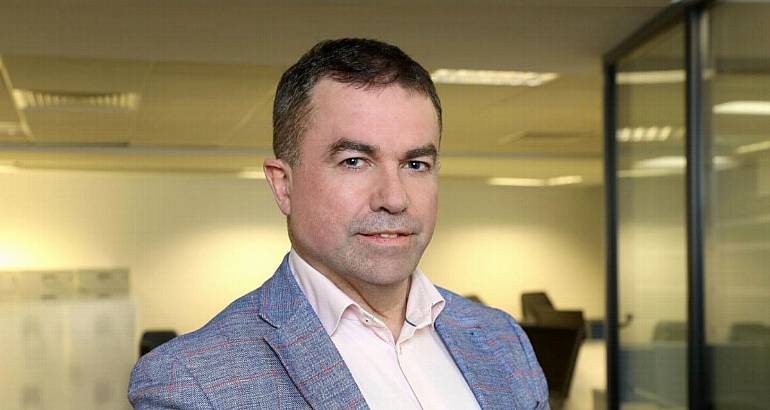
<point>383,272</point>
<point>386,279</point>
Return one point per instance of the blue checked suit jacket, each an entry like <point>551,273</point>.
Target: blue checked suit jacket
<point>268,350</point>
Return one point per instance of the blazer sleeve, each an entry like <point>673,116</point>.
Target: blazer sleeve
<point>537,382</point>
<point>161,381</point>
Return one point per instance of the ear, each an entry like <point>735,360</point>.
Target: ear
<point>278,175</point>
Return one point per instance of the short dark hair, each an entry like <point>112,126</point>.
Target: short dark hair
<point>360,62</point>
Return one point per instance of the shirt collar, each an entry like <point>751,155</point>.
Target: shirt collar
<point>330,303</point>
<point>424,303</point>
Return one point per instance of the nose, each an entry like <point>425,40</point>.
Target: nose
<point>389,194</point>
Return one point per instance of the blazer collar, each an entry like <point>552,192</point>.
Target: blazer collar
<point>303,346</point>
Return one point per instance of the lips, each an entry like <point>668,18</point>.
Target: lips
<point>387,234</point>
<point>386,229</point>
<point>387,238</point>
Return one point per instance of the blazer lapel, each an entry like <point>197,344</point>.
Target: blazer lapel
<point>483,369</point>
<point>472,360</point>
<point>303,347</point>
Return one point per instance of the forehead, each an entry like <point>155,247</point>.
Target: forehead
<point>357,112</point>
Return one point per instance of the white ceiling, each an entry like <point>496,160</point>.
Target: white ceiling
<point>205,73</point>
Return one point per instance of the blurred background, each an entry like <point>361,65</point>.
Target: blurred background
<point>132,135</point>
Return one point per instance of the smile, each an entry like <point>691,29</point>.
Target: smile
<point>387,234</point>
<point>387,237</point>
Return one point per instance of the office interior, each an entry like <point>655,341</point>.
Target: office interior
<point>132,200</point>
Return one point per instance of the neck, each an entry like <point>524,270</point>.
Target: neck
<point>385,302</point>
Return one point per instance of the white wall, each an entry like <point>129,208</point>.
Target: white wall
<point>193,243</point>
<point>498,242</point>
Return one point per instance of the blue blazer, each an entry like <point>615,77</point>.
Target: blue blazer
<point>268,350</point>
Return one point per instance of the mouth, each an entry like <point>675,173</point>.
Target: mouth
<point>387,237</point>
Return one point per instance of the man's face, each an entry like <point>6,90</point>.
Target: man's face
<point>363,199</point>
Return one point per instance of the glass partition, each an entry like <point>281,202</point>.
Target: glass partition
<point>737,268</point>
<point>688,137</point>
<point>652,268</point>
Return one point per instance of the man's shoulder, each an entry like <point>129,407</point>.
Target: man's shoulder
<point>231,345</point>
<point>493,343</point>
<point>492,325</point>
<point>241,318</point>
<point>463,308</point>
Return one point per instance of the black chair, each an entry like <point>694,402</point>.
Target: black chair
<point>556,336</point>
<point>532,303</point>
<point>556,350</point>
<point>670,331</point>
<point>749,332</point>
<point>154,338</point>
<point>538,309</point>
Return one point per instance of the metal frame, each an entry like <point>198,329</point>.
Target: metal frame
<point>693,14</point>
<point>696,42</point>
<point>611,223</point>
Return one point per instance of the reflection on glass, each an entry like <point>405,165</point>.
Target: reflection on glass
<point>738,229</point>
<point>651,236</point>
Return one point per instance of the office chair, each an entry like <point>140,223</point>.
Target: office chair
<point>154,338</point>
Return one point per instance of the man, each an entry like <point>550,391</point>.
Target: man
<point>348,321</point>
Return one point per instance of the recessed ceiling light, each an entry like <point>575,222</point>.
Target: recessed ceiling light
<point>516,181</point>
<point>656,76</point>
<point>12,129</point>
<point>755,147</point>
<point>665,132</point>
<point>75,101</point>
<point>644,134</point>
<point>676,162</point>
<point>680,162</point>
<point>565,180</point>
<point>624,134</point>
<point>536,182</point>
<point>650,77</point>
<point>743,108</point>
<point>491,77</point>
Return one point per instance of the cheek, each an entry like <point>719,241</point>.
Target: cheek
<point>328,208</point>
<point>424,199</point>
<point>424,207</point>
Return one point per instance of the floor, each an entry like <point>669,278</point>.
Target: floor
<point>590,375</point>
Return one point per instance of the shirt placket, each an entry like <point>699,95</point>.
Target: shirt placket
<point>383,333</point>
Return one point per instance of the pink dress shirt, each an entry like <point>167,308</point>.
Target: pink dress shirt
<point>413,372</point>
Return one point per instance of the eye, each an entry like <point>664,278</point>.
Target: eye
<point>418,165</point>
<point>353,162</point>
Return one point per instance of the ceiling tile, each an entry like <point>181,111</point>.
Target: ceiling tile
<point>79,127</point>
<point>200,104</point>
<point>70,74</point>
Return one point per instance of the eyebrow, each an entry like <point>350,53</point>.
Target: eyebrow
<point>344,144</point>
<point>427,150</point>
